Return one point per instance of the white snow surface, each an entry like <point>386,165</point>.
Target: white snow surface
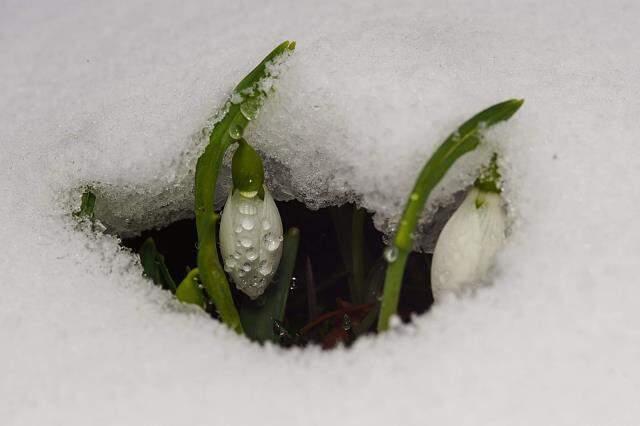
<point>116,94</point>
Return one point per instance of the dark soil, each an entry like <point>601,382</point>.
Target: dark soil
<point>323,268</point>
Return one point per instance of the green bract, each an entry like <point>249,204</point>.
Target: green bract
<point>247,170</point>
<point>489,179</point>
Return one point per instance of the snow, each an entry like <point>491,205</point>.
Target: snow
<point>117,93</point>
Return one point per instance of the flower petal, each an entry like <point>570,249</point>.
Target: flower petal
<point>468,244</point>
<point>251,241</point>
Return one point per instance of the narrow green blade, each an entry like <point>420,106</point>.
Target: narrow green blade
<point>258,317</point>
<point>154,266</point>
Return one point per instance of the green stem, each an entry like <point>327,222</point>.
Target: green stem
<point>465,139</point>
<point>225,132</point>
<point>211,272</point>
<point>357,255</point>
<point>286,268</point>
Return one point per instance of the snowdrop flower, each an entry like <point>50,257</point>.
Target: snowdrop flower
<point>250,228</point>
<point>467,245</point>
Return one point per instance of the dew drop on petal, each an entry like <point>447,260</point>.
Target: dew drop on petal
<point>246,266</point>
<point>266,225</point>
<point>264,268</point>
<point>245,242</point>
<point>271,242</point>
<point>248,223</point>
<point>229,264</point>
<point>247,208</point>
<point>251,254</point>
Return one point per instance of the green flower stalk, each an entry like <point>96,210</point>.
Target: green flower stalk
<point>465,139</point>
<point>233,120</point>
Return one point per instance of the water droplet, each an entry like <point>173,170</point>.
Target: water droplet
<point>229,264</point>
<point>235,131</point>
<point>236,255</point>
<point>246,266</point>
<point>266,225</point>
<point>251,107</point>
<point>241,273</point>
<point>245,242</point>
<point>414,197</point>
<point>271,242</point>
<point>249,194</point>
<point>248,223</point>
<point>264,268</point>
<point>391,254</point>
<point>293,284</point>
<point>279,328</point>
<point>238,229</point>
<point>251,254</point>
<point>247,208</point>
<point>346,322</point>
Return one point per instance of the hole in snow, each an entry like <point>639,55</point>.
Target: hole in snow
<point>320,307</point>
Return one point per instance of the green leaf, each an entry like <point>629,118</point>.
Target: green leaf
<point>348,222</point>
<point>189,292</point>
<point>87,205</point>
<point>229,128</point>
<point>463,140</point>
<point>259,316</point>
<point>154,266</point>
<point>357,282</point>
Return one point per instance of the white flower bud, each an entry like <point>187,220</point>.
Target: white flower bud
<point>468,244</point>
<point>251,241</point>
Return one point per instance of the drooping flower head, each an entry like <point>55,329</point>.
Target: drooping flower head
<point>468,243</point>
<point>250,228</point>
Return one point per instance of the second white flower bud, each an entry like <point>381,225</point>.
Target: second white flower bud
<point>468,244</point>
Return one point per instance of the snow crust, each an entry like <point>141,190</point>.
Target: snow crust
<point>117,94</point>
